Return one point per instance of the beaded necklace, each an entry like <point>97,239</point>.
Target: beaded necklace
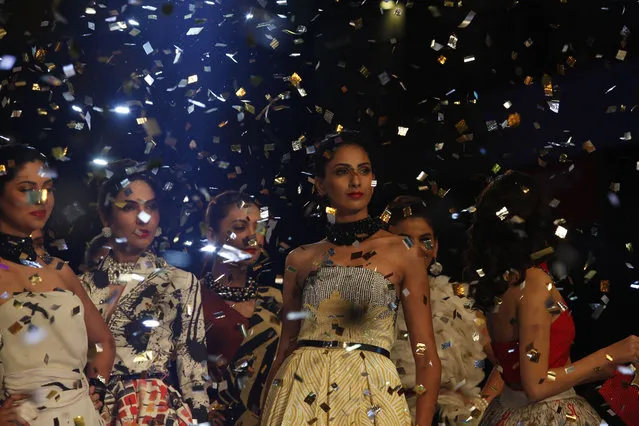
<point>346,234</point>
<point>232,294</point>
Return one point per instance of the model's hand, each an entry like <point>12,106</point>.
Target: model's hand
<point>95,398</point>
<point>216,418</point>
<point>9,411</point>
<point>624,351</point>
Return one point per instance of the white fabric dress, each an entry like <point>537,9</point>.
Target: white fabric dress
<point>458,347</point>
<point>43,353</point>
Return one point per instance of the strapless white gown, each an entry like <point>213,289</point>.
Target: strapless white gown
<point>43,352</point>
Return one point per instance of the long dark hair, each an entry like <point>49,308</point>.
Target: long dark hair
<point>406,206</point>
<point>512,223</point>
<point>13,157</point>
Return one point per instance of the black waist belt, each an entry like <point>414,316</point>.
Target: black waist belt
<point>343,345</point>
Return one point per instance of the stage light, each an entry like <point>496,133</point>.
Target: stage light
<point>121,110</point>
<point>387,4</point>
<point>100,162</point>
<point>209,248</point>
<point>151,323</point>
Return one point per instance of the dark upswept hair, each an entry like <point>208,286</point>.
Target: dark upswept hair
<point>418,208</point>
<point>220,206</point>
<point>124,172</point>
<point>13,157</point>
<point>331,143</point>
<point>502,243</point>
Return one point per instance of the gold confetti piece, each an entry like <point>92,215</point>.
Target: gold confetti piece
<point>385,216</point>
<point>459,290</point>
<point>514,120</point>
<point>604,286</point>
<point>441,59</point>
<point>240,92</point>
<point>621,55</point>
<point>420,349</point>
<point>15,328</point>
<point>419,389</point>
<point>295,79</point>
<point>541,253</point>
<point>528,80</point>
<point>609,357</point>
<point>35,279</point>
<point>79,421</point>
<point>551,375</point>
<point>191,79</point>
<point>461,126</point>
<point>274,43</point>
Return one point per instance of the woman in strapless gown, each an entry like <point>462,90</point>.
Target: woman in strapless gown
<point>47,322</point>
<point>333,367</point>
<point>43,352</point>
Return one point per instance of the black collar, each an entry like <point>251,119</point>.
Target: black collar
<point>346,234</point>
<point>18,250</point>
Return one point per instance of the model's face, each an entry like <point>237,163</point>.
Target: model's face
<point>27,200</point>
<point>135,216</point>
<point>348,182</point>
<point>239,228</point>
<point>420,232</point>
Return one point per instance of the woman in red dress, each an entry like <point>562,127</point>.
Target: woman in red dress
<point>531,328</point>
<point>242,304</point>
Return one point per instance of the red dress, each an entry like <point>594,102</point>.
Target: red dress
<point>562,334</point>
<point>513,408</point>
<point>243,350</point>
<point>621,392</point>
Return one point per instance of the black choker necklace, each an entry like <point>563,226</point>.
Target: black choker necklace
<point>18,250</point>
<point>346,234</point>
<point>232,294</point>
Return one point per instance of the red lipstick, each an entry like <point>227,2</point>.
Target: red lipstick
<point>40,214</point>
<point>142,233</point>
<point>355,195</point>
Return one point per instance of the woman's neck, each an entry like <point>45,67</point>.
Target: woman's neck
<point>351,217</point>
<point>10,230</point>
<point>126,255</point>
<point>236,276</point>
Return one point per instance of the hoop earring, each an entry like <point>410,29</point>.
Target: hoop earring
<point>436,268</point>
<point>106,232</point>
